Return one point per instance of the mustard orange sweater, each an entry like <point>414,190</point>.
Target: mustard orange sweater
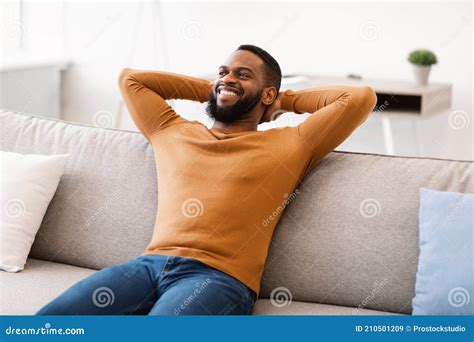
<point>221,195</point>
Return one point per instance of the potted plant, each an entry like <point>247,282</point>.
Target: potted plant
<point>422,59</point>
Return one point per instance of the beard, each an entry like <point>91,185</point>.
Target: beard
<point>232,113</point>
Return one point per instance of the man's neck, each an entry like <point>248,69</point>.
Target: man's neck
<point>235,127</point>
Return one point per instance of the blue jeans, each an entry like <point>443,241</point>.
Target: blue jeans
<point>155,284</point>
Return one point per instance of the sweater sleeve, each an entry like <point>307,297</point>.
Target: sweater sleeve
<point>145,92</point>
<point>336,112</point>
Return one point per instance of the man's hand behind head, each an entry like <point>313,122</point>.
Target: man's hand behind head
<point>273,111</point>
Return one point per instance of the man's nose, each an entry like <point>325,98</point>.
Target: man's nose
<point>228,78</point>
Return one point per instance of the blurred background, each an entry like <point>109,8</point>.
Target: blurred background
<point>61,59</point>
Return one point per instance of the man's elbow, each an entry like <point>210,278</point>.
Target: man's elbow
<point>124,77</point>
<point>368,98</point>
<point>365,100</point>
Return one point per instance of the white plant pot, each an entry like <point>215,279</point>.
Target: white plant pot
<point>421,72</point>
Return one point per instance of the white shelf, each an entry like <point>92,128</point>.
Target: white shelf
<point>394,97</point>
<point>21,63</point>
<point>32,86</point>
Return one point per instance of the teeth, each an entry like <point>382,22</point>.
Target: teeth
<point>225,92</point>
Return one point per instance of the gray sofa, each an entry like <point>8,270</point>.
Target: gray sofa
<point>347,245</point>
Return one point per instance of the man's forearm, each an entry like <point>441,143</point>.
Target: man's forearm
<point>168,85</point>
<point>313,99</point>
<point>336,112</point>
<point>145,92</point>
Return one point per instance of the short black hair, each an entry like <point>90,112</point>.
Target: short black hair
<point>271,67</point>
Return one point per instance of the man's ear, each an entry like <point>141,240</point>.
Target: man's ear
<point>269,95</point>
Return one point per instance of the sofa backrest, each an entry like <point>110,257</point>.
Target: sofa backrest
<point>103,211</point>
<point>350,236</point>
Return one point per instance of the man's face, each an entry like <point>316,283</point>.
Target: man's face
<point>238,88</point>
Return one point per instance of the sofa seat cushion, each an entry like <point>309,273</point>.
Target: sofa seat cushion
<point>25,292</point>
<point>265,307</point>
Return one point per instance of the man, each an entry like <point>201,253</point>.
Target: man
<point>217,186</point>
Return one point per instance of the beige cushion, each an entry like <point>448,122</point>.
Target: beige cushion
<point>25,292</point>
<point>265,307</point>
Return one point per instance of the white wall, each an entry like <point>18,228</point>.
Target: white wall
<point>371,39</point>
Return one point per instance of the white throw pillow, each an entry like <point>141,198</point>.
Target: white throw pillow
<point>28,183</point>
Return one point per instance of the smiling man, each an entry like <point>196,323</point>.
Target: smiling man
<point>246,86</point>
<point>218,186</point>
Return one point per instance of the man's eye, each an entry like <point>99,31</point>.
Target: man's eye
<point>244,75</point>
<point>221,73</point>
